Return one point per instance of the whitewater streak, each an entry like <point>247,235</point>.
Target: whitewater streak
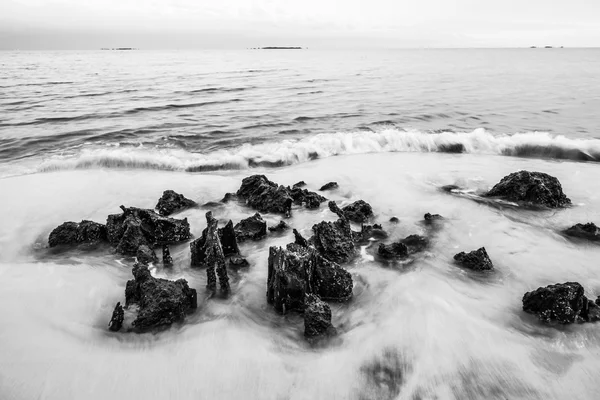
<point>287,152</point>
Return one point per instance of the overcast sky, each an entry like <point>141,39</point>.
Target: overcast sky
<point>90,24</point>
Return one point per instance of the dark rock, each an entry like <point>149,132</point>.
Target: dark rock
<point>296,271</point>
<point>172,202</point>
<point>451,148</point>
<point>369,232</point>
<point>359,211</point>
<point>394,250</point>
<point>133,236</point>
<point>73,233</point>
<point>207,250</point>
<point>161,301</point>
<point>228,238</point>
<point>229,197</point>
<point>238,262</point>
<point>317,318</point>
<point>299,239</point>
<point>265,196</point>
<point>254,228</point>
<point>280,227</point>
<point>299,185</point>
<point>329,186</point>
<point>535,188</point>
<point>584,231</point>
<point>394,220</point>
<point>335,240</point>
<point>310,200</point>
<point>590,313</point>
<point>415,243</point>
<point>430,218</point>
<point>145,255</point>
<point>477,260</point>
<point>450,188</point>
<point>166,256</point>
<point>562,302</point>
<point>118,316</point>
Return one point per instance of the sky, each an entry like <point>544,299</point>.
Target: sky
<point>166,24</point>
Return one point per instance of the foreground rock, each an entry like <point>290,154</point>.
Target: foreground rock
<point>73,233</point>
<point>207,251</point>
<point>265,196</point>
<point>308,199</point>
<point>228,238</point>
<point>403,248</point>
<point>145,255</point>
<point>360,211</point>
<point>296,271</point>
<point>584,231</point>
<point>136,226</point>
<point>335,240</point>
<point>329,186</point>
<point>161,302</point>
<point>477,260</point>
<point>564,303</point>
<point>532,188</point>
<point>317,318</point>
<point>118,316</point>
<point>252,228</point>
<point>172,202</point>
<point>166,256</point>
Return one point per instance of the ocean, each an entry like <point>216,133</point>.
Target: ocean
<point>82,133</point>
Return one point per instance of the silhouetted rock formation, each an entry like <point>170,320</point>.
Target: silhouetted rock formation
<point>118,316</point>
<point>207,250</point>
<point>535,188</point>
<point>73,233</point>
<point>172,202</point>
<point>477,260</point>
<point>584,231</point>
<point>564,303</point>
<point>317,318</point>
<point>335,240</point>
<point>265,196</point>
<point>329,186</point>
<point>359,211</point>
<point>253,228</point>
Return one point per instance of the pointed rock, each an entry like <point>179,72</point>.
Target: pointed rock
<point>172,202</point>
<point>477,260</point>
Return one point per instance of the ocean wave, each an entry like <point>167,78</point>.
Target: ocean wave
<point>287,152</point>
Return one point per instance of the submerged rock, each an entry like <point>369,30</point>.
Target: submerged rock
<point>228,238</point>
<point>451,148</point>
<point>229,197</point>
<point>265,196</point>
<point>430,218</point>
<point>145,255</point>
<point>317,318</point>
<point>118,316</point>
<point>238,262</point>
<point>299,185</point>
<point>73,233</point>
<point>477,260</point>
<point>369,232</point>
<point>172,202</point>
<point>584,231</point>
<point>335,240</point>
<point>360,211</point>
<point>161,302</point>
<point>415,243</point>
<point>394,220</point>
<point>564,303</point>
<point>166,256</point>
<point>535,188</point>
<point>310,200</point>
<point>280,227</point>
<point>254,228</point>
<point>207,251</point>
<point>329,186</point>
<point>394,250</point>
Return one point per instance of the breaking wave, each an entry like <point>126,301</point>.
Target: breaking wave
<point>288,152</point>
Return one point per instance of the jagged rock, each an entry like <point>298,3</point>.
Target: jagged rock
<point>368,232</point>
<point>394,220</point>
<point>317,318</point>
<point>564,303</point>
<point>229,197</point>
<point>172,202</point>
<point>161,301</point>
<point>227,236</point>
<point>145,255</point>
<point>477,260</point>
<point>359,211</point>
<point>280,227</point>
<point>394,250</point>
<point>265,196</point>
<point>335,240</point>
<point>299,239</point>
<point>239,262</point>
<point>430,218</point>
<point>535,188</point>
<point>166,256</point>
<point>584,231</point>
<point>310,200</point>
<point>415,243</point>
<point>73,233</point>
<point>207,250</point>
<point>296,271</point>
<point>254,228</point>
<point>299,185</point>
<point>329,186</point>
<point>118,316</point>
<point>137,226</point>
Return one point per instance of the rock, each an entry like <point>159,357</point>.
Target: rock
<point>145,255</point>
<point>299,185</point>
<point>394,220</point>
<point>172,202</point>
<point>394,250</point>
<point>280,227</point>
<point>310,200</point>
<point>161,301</point>
<point>207,250</point>
<point>335,240</point>
<point>477,260</point>
<point>370,232</point>
<point>238,262</point>
<point>584,231</point>
<point>562,302</point>
<point>534,188</point>
<point>229,197</point>
<point>451,148</point>
<point>296,271</point>
<point>430,218</point>
<point>415,243</point>
<point>228,238</point>
<point>254,228</point>
<point>317,318</point>
<point>450,188</point>
<point>265,196</point>
<point>299,239</point>
<point>136,226</point>
<point>359,211</point>
<point>329,186</point>
<point>73,233</point>
<point>166,256</point>
<point>118,316</point>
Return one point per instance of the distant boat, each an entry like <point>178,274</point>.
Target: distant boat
<point>280,48</point>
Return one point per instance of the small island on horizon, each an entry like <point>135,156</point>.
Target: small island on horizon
<point>277,48</point>
<point>118,48</point>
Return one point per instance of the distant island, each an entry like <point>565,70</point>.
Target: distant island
<point>119,48</point>
<point>277,48</point>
